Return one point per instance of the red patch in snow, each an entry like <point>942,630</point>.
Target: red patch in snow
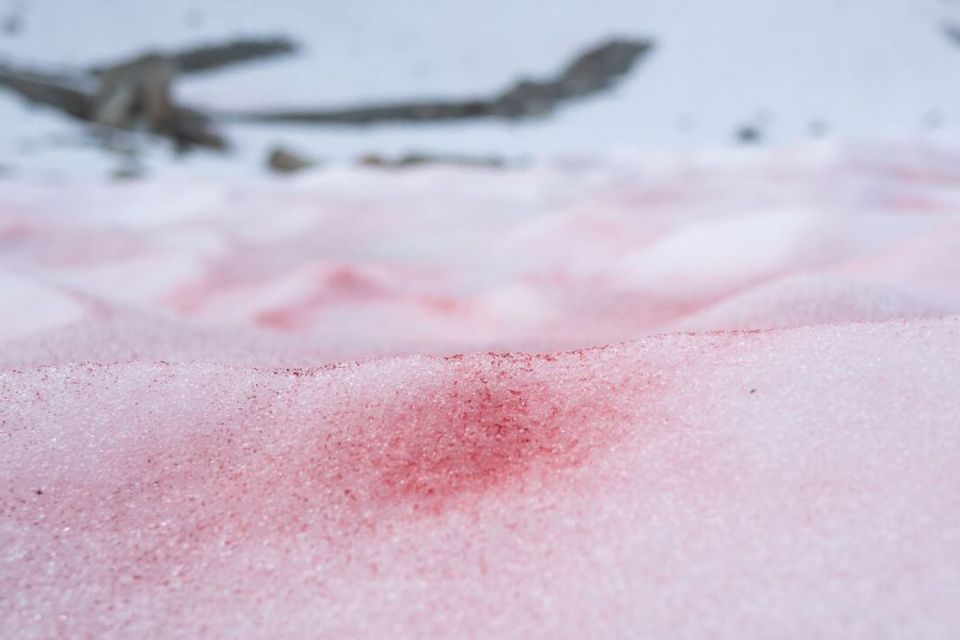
<point>370,453</point>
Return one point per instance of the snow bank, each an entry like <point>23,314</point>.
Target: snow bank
<point>633,397</point>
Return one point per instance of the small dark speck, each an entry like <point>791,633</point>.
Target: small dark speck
<point>748,134</point>
<point>818,128</point>
<point>11,26</point>
<point>39,492</point>
<point>753,390</point>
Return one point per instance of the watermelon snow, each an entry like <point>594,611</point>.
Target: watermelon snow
<point>627,397</point>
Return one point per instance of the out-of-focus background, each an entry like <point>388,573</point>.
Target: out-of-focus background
<point>754,72</point>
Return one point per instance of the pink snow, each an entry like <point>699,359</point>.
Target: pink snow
<point>628,397</point>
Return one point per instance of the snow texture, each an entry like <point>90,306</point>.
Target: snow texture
<point>640,396</point>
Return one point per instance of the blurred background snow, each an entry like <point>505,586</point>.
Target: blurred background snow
<point>786,71</point>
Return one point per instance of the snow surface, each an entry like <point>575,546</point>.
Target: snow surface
<point>640,397</point>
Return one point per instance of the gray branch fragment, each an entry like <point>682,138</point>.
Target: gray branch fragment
<point>595,71</point>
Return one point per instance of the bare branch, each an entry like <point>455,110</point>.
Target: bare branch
<point>214,56</point>
<point>595,71</point>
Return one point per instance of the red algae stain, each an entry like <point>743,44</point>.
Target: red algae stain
<point>443,439</point>
<point>481,424</point>
<point>490,424</point>
<point>337,285</point>
<point>441,304</point>
<point>348,280</point>
<point>325,457</point>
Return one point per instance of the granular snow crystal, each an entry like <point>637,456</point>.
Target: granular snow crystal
<point>634,398</point>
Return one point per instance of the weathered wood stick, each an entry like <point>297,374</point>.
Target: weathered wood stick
<point>596,70</point>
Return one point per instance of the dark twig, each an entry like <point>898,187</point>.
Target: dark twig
<point>952,32</point>
<point>47,89</point>
<point>214,56</point>
<point>139,89</point>
<point>596,70</point>
<point>412,160</point>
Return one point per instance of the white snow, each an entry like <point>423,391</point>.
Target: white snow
<point>863,68</point>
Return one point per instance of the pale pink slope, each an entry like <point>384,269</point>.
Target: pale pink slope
<point>202,436</point>
<point>359,264</point>
<point>800,483</point>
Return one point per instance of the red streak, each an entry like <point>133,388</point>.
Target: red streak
<point>369,454</point>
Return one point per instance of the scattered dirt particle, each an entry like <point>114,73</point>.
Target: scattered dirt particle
<point>748,134</point>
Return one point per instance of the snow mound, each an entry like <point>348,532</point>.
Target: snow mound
<point>638,397</point>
